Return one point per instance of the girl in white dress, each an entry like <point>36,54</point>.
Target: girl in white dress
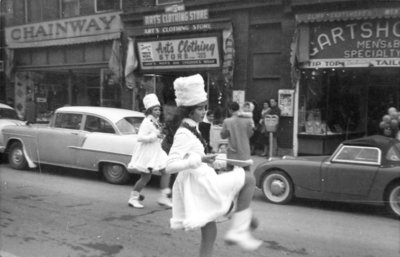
<point>200,195</point>
<point>149,156</point>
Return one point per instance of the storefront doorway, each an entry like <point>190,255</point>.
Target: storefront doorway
<point>162,84</point>
<point>383,93</point>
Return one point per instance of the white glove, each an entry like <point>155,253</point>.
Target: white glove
<point>194,160</point>
<point>220,164</point>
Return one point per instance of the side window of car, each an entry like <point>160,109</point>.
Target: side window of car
<point>393,153</point>
<point>358,154</point>
<point>96,124</point>
<point>68,120</point>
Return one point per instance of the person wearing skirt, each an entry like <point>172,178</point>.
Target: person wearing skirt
<point>149,156</point>
<point>200,195</point>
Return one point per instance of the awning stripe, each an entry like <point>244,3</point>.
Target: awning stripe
<point>375,13</point>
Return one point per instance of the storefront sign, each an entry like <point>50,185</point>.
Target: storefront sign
<point>341,63</point>
<point>179,53</point>
<point>67,31</point>
<point>177,28</point>
<point>176,17</point>
<point>355,44</point>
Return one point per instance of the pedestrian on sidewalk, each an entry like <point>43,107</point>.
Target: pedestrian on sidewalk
<point>200,195</point>
<point>264,135</point>
<point>238,130</point>
<point>149,156</point>
<point>274,110</point>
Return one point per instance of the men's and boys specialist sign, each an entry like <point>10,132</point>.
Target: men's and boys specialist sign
<point>201,52</point>
<point>355,44</point>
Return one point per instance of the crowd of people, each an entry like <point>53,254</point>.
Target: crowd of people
<point>187,146</point>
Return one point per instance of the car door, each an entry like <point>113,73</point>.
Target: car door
<point>55,144</point>
<point>103,133</point>
<point>351,171</point>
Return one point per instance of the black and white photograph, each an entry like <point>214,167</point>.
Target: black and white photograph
<point>208,128</point>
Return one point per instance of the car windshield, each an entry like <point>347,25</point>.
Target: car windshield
<point>129,125</point>
<point>6,113</point>
<point>394,153</point>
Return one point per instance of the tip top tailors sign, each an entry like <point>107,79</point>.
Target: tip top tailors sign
<point>369,43</point>
<point>179,53</point>
<point>172,22</point>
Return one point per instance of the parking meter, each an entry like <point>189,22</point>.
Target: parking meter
<point>271,122</point>
<point>271,125</point>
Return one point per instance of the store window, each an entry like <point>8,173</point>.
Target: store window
<point>15,12</point>
<point>42,10</point>
<point>107,5</point>
<point>70,8</point>
<point>333,102</point>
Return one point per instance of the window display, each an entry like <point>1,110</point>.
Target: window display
<point>332,102</point>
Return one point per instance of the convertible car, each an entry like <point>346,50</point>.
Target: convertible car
<point>364,170</point>
<point>82,137</point>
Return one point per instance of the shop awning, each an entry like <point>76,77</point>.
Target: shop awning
<point>374,13</point>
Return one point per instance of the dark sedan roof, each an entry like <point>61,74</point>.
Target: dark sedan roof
<point>379,141</point>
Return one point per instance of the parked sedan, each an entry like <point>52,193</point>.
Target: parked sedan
<point>8,116</point>
<point>364,170</point>
<point>90,138</point>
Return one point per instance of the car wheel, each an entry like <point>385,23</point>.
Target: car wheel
<point>115,173</point>
<point>393,200</point>
<point>16,157</point>
<point>277,187</point>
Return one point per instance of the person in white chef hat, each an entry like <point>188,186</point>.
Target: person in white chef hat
<point>200,195</point>
<point>149,156</point>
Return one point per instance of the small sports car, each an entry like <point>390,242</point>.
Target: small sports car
<point>364,170</point>
<point>81,137</point>
<point>8,116</point>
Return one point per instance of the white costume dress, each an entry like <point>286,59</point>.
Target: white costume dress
<point>199,195</point>
<point>149,153</point>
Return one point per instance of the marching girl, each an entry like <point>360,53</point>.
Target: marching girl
<point>149,156</point>
<point>200,195</point>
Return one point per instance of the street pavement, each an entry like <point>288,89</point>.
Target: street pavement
<point>68,213</point>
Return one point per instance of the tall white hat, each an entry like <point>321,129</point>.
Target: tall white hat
<point>189,91</point>
<point>150,100</point>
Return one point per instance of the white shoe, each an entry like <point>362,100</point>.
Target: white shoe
<point>164,200</point>
<point>239,234</point>
<point>134,200</point>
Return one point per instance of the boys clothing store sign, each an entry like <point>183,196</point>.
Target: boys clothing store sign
<point>201,52</point>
